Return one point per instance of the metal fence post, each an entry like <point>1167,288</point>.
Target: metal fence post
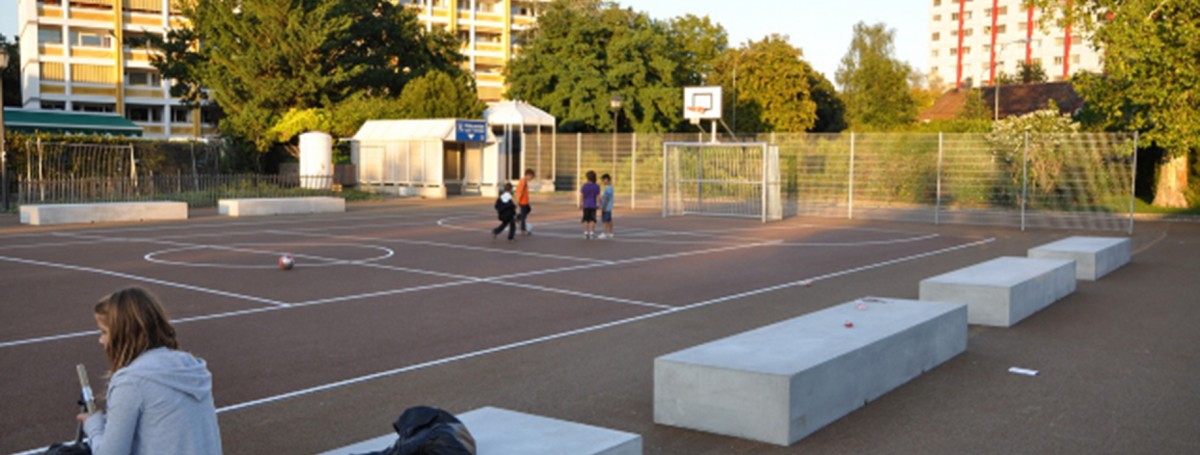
<point>633,172</point>
<point>937,208</point>
<point>1025,181</point>
<point>1133,181</point>
<point>850,202</point>
<point>578,165</point>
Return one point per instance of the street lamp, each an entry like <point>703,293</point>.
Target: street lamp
<point>3,152</point>
<point>996,88</point>
<point>615,104</point>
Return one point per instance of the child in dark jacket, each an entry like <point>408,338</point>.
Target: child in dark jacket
<point>506,210</point>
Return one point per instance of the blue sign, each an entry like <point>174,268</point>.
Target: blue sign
<point>470,131</point>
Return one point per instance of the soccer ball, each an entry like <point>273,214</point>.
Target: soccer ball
<point>286,262</point>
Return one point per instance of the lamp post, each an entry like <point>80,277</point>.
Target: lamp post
<point>996,89</point>
<point>615,104</point>
<point>3,151</point>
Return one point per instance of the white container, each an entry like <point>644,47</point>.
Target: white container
<point>316,160</point>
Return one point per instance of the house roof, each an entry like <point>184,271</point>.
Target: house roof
<point>60,122</point>
<point>418,130</point>
<point>1017,99</point>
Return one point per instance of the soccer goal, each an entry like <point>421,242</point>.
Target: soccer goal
<point>721,179</point>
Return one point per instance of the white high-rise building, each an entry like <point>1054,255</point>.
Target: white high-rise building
<point>977,40</point>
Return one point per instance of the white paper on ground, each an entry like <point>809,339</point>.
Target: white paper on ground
<point>1024,371</point>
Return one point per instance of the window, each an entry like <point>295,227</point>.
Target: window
<point>142,113</point>
<point>1058,60</point>
<point>91,38</point>
<point>50,35</point>
<point>934,53</point>
<point>937,2</point>
<point>999,12</point>
<point>936,36</point>
<point>1075,58</point>
<point>967,31</point>
<point>54,105</point>
<point>966,50</point>
<point>953,51</point>
<point>1023,26</point>
<point>143,78</point>
<point>937,17</point>
<point>987,47</point>
<point>181,115</point>
<point>134,40</point>
<point>209,117</point>
<point>93,107</point>
<point>1000,29</point>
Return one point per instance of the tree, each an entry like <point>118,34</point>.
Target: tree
<point>440,95</point>
<point>259,59</point>
<point>1031,73</point>
<point>1150,82</point>
<point>874,83</point>
<point>583,52</point>
<point>12,73</point>
<point>701,42</point>
<point>774,88</point>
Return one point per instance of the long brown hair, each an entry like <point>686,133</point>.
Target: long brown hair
<point>136,323</point>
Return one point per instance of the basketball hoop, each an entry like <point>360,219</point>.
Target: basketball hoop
<point>698,109</point>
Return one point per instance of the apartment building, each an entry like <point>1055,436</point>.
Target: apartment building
<point>88,56</point>
<point>488,31</point>
<point>976,40</point>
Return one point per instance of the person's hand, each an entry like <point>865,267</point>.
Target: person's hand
<point>82,417</point>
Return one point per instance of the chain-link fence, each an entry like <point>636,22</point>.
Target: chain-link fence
<point>63,172</point>
<point>1076,180</point>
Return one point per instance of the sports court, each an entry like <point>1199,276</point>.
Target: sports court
<point>413,302</point>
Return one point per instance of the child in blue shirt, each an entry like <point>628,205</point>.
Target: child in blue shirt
<point>606,207</point>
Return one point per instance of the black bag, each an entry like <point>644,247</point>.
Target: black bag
<point>77,448</point>
<point>426,430</point>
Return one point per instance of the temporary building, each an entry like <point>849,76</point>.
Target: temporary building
<point>431,158</point>
<point>525,139</point>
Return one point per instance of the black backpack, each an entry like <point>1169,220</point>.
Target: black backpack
<point>426,430</point>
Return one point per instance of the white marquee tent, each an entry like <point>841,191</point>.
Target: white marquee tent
<point>525,140</point>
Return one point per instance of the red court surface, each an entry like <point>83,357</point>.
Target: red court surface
<point>413,302</point>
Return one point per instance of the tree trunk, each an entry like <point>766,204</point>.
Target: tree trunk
<point>1172,182</point>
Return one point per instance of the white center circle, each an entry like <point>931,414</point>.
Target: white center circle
<point>271,255</point>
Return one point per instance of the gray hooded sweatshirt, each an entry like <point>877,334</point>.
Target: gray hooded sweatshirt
<point>161,403</point>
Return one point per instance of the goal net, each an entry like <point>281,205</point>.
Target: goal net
<point>721,179</point>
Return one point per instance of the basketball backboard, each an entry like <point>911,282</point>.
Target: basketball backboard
<point>702,103</point>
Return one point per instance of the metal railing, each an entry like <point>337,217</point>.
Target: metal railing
<point>1074,180</point>
<point>196,190</point>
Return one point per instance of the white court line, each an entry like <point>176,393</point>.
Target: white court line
<point>48,245</point>
<point>446,245</point>
<point>628,261</point>
<point>581,294</point>
<point>144,279</point>
<point>594,328</point>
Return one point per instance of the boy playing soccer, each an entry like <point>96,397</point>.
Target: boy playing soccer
<point>506,210</point>
<point>589,192</point>
<point>523,201</point>
<point>606,207</point>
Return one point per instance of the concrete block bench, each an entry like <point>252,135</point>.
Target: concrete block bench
<point>1003,291</point>
<point>782,382</point>
<point>1094,256</point>
<point>103,212</point>
<point>501,432</point>
<point>280,206</point>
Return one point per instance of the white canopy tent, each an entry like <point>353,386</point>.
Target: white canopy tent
<point>429,158</point>
<point>521,128</point>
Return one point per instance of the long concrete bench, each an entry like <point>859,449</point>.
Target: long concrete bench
<point>782,382</point>
<point>502,432</point>
<point>280,206</point>
<point>1094,256</point>
<point>103,212</point>
<point>1003,291</point>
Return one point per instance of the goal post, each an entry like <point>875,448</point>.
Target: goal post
<point>721,179</point>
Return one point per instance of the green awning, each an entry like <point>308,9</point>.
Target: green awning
<point>60,122</point>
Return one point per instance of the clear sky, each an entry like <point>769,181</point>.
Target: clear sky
<point>822,29</point>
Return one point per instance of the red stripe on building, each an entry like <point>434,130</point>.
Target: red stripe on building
<point>1067,46</point>
<point>995,13</point>
<point>1029,39</point>
<point>962,7</point>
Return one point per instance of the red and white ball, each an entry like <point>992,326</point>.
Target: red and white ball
<point>286,262</point>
